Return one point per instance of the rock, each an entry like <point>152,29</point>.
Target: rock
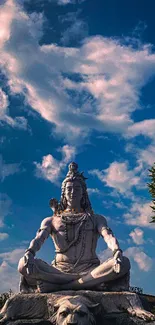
<point>108,308</point>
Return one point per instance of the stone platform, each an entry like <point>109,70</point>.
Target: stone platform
<point>108,308</point>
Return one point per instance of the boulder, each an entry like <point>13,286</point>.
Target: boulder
<point>108,308</point>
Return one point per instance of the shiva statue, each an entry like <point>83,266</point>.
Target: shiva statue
<point>74,229</point>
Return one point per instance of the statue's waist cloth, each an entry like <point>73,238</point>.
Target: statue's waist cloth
<point>83,267</point>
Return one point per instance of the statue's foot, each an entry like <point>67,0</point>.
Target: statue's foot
<point>47,287</point>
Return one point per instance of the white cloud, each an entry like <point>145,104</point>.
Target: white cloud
<point>18,122</point>
<point>5,207</point>
<point>117,176</point>
<point>66,2</point>
<point>104,255</point>
<point>139,215</point>
<point>14,256</point>
<point>93,190</point>
<point>148,155</point>
<point>9,275</point>
<point>143,261</point>
<point>137,236</point>
<point>3,235</point>
<point>76,31</point>
<point>111,76</point>
<point>50,168</point>
<point>68,153</point>
<point>145,158</point>
<point>7,169</point>
<point>3,103</point>
<point>146,128</point>
<point>9,278</point>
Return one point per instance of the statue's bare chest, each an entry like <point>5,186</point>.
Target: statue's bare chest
<point>70,227</point>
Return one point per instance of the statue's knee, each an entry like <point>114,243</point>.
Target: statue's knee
<point>21,266</point>
<point>126,263</point>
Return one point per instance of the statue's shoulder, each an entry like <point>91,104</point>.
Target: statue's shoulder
<point>100,219</point>
<point>47,222</point>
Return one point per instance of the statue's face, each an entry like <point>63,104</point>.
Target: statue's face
<point>73,193</point>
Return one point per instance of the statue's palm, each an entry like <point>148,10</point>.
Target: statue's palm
<point>118,260</point>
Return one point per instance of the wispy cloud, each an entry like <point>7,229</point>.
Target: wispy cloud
<point>9,275</point>
<point>111,73</point>
<point>145,127</point>
<point>139,215</point>
<point>137,236</point>
<point>13,257</point>
<point>50,168</point>
<point>5,207</point>
<point>117,176</point>
<point>143,261</point>
<point>7,169</point>
<point>9,278</point>
<point>66,2</point>
<point>3,235</point>
<point>93,190</point>
<point>18,122</point>
<point>75,32</point>
<point>104,255</point>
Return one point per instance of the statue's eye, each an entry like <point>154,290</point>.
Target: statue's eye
<point>64,313</point>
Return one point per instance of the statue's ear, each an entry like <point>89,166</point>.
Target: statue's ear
<point>94,308</point>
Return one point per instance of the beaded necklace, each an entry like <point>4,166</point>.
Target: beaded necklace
<point>73,220</point>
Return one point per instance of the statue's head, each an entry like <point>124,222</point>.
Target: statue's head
<point>74,190</point>
<point>74,310</point>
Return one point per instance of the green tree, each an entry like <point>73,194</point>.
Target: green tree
<point>151,187</point>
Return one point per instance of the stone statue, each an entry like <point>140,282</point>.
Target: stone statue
<point>75,230</point>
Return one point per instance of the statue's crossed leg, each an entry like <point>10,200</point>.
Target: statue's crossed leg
<point>48,278</point>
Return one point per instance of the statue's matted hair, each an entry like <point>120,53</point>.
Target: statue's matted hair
<point>74,174</point>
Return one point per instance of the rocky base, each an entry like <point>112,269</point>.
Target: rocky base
<point>108,308</point>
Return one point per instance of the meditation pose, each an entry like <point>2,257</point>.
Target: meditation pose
<point>75,230</point>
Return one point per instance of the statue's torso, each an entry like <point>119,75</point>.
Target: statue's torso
<point>76,240</point>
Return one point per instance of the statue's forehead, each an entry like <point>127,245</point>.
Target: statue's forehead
<point>75,182</point>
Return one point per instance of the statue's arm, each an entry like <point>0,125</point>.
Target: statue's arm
<point>107,234</point>
<point>42,234</point>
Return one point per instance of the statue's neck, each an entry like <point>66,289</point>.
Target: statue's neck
<point>71,208</point>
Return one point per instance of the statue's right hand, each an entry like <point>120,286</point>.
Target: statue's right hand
<point>29,262</point>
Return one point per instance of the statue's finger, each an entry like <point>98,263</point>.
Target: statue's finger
<point>117,268</point>
<point>119,261</point>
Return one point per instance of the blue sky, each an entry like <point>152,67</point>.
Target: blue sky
<point>77,83</point>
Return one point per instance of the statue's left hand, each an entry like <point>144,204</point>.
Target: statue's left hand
<point>117,261</point>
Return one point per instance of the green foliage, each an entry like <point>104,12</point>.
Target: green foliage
<point>151,187</point>
<point>4,296</point>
